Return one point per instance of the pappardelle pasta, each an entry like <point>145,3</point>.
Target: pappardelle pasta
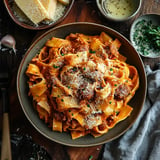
<point>82,84</point>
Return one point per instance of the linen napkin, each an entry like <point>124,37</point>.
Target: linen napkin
<point>142,140</point>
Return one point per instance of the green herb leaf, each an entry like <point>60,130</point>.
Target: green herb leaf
<point>90,157</point>
<point>54,66</point>
<point>90,51</point>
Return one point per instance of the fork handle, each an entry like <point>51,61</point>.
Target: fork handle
<point>6,143</point>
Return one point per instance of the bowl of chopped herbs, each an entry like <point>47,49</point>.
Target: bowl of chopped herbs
<point>145,35</point>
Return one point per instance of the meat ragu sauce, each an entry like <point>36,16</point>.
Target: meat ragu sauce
<point>121,92</point>
<point>82,84</point>
<point>77,44</point>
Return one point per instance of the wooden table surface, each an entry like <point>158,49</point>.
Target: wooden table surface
<point>83,10</point>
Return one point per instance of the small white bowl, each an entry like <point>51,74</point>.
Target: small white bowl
<point>118,10</point>
<point>138,39</point>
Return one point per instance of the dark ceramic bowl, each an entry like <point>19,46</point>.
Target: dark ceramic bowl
<point>101,6</point>
<point>148,18</point>
<point>64,138</point>
<point>19,18</point>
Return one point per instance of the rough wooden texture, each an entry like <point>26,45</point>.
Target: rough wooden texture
<point>83,10</point>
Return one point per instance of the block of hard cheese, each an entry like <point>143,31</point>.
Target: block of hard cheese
<point>33,9</point>
<point>50,6</point>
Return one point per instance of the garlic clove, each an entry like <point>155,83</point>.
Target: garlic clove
<point>9,41</point>
<point>64,2</point>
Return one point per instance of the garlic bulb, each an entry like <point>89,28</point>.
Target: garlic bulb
<point>9,41</point>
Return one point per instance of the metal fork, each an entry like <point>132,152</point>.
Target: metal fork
<point>6,65</point>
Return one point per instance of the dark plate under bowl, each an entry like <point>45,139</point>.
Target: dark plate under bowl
<point>19,18</point>
<point>64,138</point>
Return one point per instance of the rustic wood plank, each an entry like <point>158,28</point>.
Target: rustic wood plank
<point>76,153</point>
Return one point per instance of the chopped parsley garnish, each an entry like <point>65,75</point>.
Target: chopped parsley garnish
<point>90,157</point>
<point>154,32</point>
<point>88,105</point>
<point>74,69</point>
<point>117,112</point>
<point>147,38</point>
<point>100,87</point>
<point>90,51</point>
<point>62,100</point>
<point>55,66</point>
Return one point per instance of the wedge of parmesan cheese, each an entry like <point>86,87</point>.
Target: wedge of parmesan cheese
<point>50,6</point>
<point>33,9</point>
<point>37,10</point>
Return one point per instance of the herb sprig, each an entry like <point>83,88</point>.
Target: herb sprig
<point>154,32</point>
<point>147,38</point>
